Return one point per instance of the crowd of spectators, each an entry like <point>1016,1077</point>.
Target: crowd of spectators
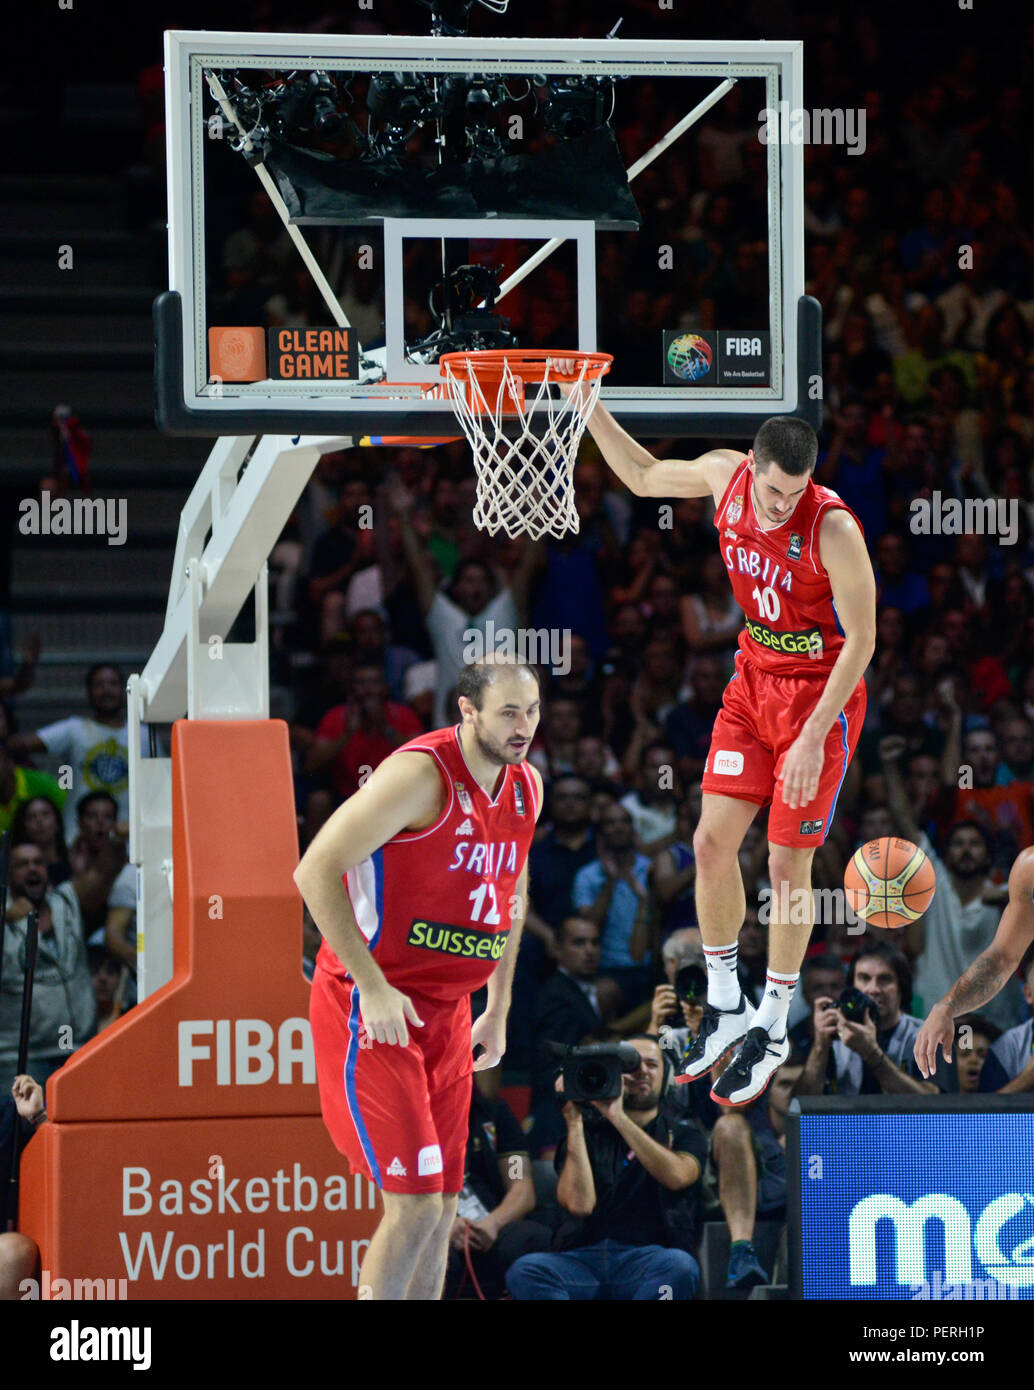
<point>920,253</point>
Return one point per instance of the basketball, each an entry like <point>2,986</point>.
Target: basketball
<point>889,882</point>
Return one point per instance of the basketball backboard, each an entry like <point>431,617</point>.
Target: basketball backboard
<point>422,179</point>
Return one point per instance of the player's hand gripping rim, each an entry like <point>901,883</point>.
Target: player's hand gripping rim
<point>384,1012</point>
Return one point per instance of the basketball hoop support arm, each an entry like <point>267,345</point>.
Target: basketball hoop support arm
<point>232,519</point>
<point>680,128</point>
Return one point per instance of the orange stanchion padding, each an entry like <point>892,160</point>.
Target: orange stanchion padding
<point>229,1034</point>
<point>214,1069</point>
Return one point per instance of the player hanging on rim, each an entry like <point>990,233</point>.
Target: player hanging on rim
<point>988,973</point>
<point>791,715</point>
<point>418,884</point>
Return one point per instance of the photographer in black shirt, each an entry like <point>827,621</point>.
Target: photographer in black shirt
<point>629,1170</point>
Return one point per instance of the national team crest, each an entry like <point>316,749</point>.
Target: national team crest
<point>518,798</point>
<point>463,797</point>
<point>735,510</point>
<point>793,550</point>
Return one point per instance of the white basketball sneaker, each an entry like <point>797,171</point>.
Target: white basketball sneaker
<point>747,1075</point>
<point>720,1031</point>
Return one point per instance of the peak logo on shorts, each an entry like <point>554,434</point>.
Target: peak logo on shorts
<point>803,643</point>
<point>429,1161</point>
<point>456,941</point>
<point>728,764</point>
<point>810,827</point>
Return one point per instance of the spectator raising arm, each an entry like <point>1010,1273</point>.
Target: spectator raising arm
<point>419,561</point>
<point>891,750</point>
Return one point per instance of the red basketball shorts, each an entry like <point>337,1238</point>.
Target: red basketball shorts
<point>400,1115</point>
<point>761,716</point>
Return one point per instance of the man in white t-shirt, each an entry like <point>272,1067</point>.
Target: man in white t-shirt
<point>95,746</point>
<point>466,606</point>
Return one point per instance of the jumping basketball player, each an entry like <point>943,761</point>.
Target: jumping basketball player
<point>418,884</point>
<point>790,719</point>
<point>988,973</point>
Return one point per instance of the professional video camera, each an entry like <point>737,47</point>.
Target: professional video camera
<point>594,1072</point>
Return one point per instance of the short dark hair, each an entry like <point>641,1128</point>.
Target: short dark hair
<point>84,801</point>
<point>890,955</point>
<point>475,679</point>
<point>103,666</point>
<point>561,930</point>
<point>19,833</point>
<point>979,1024</point>
<point>824,962</point>
<point>789,442</point>
<point>981,830</point>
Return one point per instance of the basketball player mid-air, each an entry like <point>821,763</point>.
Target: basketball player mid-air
<point>988,973</point>
<point>791,715</point>
<point>418,884</point>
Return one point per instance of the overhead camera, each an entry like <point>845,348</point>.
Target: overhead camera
<point>299,105</point>
<point>576,105</point>
<point>401,102</point>
<point>462,325</point>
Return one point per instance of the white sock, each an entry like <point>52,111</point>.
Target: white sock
<point>723,983</point>
<point>772,1011</point>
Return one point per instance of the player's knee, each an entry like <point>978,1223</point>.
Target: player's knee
<point>730,1135</point>
<point>790,866</point>
<point>711,850</point>
<point>413,1215</point>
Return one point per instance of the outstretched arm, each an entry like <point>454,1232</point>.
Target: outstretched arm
<point>647,476</point>
<point>988,973</point>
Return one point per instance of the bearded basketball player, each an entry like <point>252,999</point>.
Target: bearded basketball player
<point>791,715</point>
<point>418,884</point>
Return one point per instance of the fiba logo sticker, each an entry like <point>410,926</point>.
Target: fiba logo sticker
<point>688,358</point>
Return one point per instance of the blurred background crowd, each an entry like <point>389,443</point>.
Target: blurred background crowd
<point>920,253</point>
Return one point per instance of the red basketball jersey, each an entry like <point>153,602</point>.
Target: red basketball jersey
<point>792,628</point>
<point>435,904</point>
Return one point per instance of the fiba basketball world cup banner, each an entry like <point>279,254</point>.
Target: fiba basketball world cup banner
<point>185,1155</point>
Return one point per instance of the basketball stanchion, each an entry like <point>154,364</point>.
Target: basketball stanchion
<point>31,950</point>
<point>525,474</point>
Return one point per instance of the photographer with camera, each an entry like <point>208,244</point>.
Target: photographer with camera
<point>863,1041</point>
<point>628,1177</point>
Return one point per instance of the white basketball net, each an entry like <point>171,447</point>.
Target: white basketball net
<point>525,485</point>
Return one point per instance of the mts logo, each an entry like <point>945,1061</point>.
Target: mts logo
<point>245,1051</point>
<point>743,347</point>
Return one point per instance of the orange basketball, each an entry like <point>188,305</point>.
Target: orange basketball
<point>889,882</point>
